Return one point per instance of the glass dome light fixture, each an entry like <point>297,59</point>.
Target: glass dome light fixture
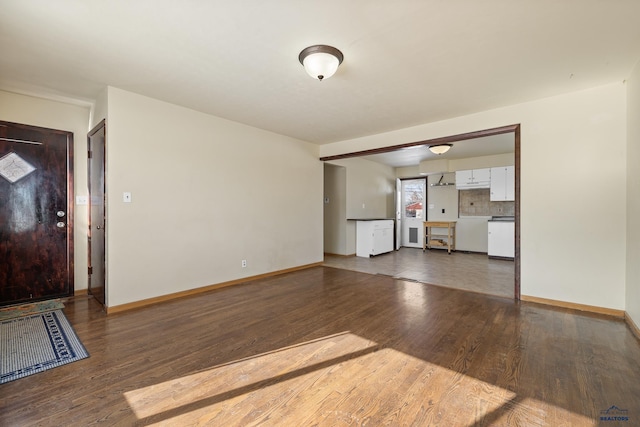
<point>440,148</point>
<point>320,61</point>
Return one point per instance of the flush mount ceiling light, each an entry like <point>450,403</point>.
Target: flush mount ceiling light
<point>320,61</point>
<point>440,148</point>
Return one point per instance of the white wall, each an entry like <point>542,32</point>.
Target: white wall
<point>444,197</point>
<point>206,193</point>
<point>100,108</point>
<point>633,196</point>
<point>569,184</point>
<point>370,193</point>
<point>408,172</point>
<point>370,188</point>
<point>62,116</point>
<point>497,160</point>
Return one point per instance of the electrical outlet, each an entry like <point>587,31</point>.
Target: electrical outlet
<point>244,263</point>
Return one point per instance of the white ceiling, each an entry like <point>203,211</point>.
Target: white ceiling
<point>412,156</point>
<point>406,62</point>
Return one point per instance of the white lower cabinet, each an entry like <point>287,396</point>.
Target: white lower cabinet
<point>374,237</point>
<point>471,234</point>
<point>501,239</point>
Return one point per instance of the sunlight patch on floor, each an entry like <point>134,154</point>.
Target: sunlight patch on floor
<point>241,377</point>
<point>336,380</point>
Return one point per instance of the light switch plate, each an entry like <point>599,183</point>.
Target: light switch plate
<point>126,197</point>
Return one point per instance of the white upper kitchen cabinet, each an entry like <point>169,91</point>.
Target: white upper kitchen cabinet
<point>473,178</point>
<point>503,184</point>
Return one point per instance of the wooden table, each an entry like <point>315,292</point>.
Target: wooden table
<point>431,239</point>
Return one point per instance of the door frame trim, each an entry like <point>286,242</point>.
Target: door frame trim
<point>424,208</point>
<point>101,125</point>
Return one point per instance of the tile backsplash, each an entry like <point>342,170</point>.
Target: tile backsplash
<point>477,203</point>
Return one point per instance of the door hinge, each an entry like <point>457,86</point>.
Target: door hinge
<point>89,154</point>
<point>90,270</point>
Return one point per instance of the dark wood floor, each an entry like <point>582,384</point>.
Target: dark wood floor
<point>329,347</point>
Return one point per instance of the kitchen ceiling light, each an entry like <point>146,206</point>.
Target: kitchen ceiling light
<point>440,148</point>
<point>320,61</point>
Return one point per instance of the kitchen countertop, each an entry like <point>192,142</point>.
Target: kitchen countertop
<point>370,219</point>
<point>502,219</point>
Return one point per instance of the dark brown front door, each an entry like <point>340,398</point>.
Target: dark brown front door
<point>36,213</point>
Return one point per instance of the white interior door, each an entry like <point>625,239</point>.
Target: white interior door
<point>414,192</point>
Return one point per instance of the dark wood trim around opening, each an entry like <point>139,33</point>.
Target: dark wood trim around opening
<point>516,154</point>
<point>515,129</point>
